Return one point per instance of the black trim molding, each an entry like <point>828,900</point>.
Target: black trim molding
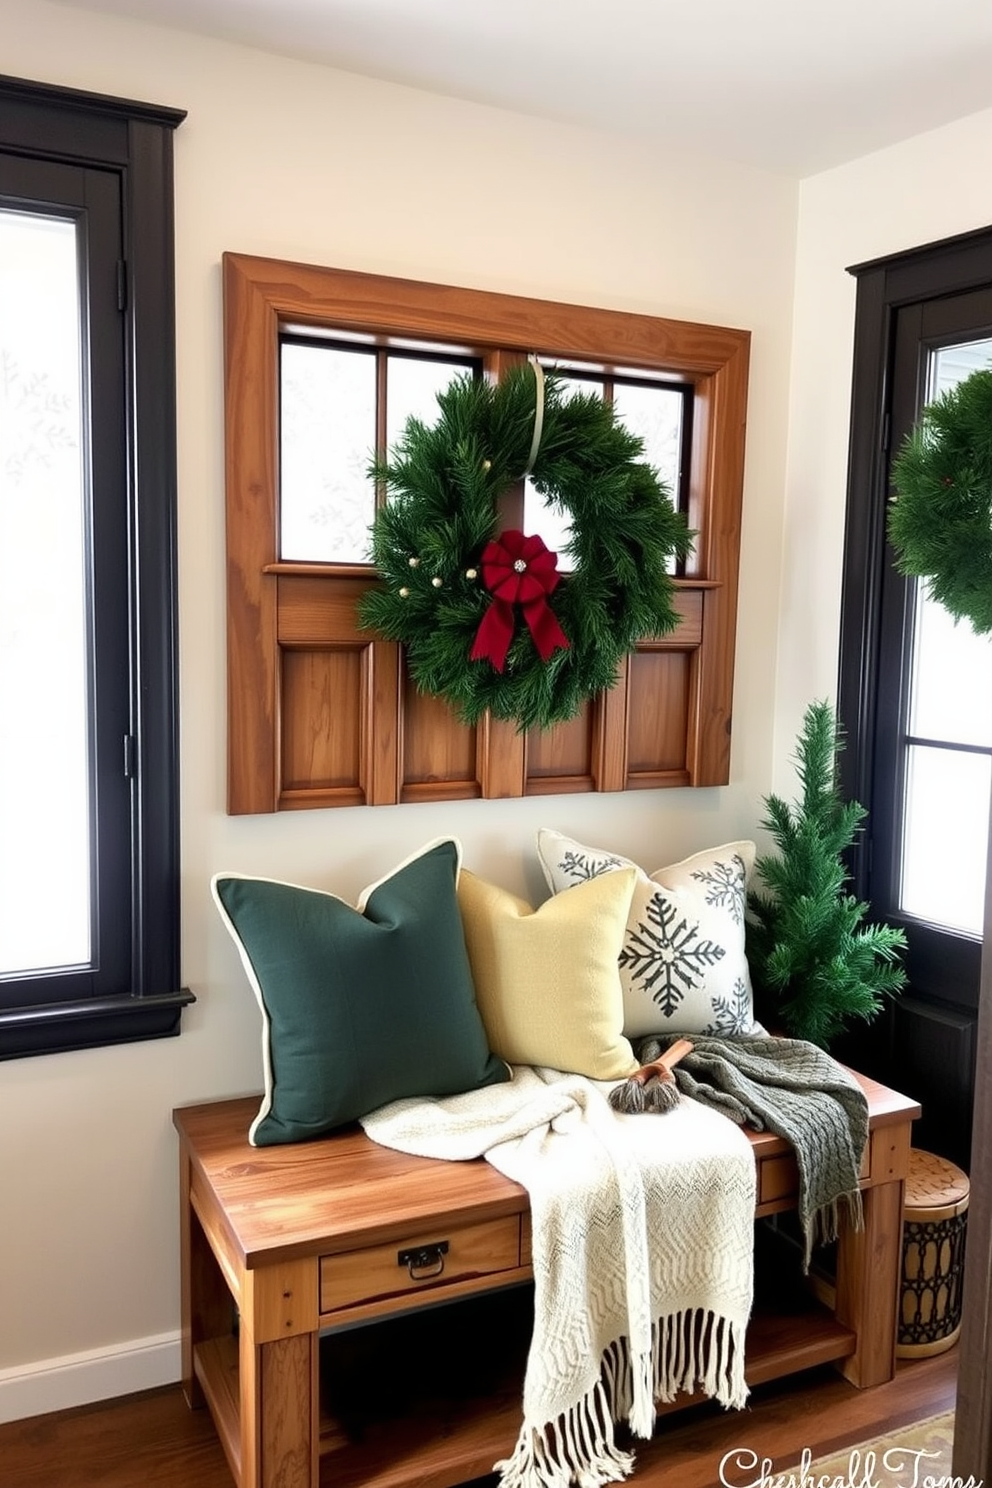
<point>883,287</point>
<point>923,276</point>
<point>133,140</point>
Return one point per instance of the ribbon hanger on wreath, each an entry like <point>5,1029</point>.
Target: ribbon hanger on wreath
<point>519,569</point>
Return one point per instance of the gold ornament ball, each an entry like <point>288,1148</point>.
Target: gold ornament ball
<point>471,573</point>
<point>437,582</point>
<point>404,592</point>
<point>487,464</point>
<point>414,562</point>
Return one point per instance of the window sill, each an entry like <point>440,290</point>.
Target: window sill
<point>90,1023</point>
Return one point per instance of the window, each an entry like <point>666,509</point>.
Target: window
<point>915,689</point>
<point>42,520</point>
<point>945,748</point>
<point>89,948</point>
<point>660,414</point>
<point>338,404</point>
<point>321,713</point>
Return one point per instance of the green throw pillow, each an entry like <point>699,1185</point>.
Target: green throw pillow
<point>360,1006</point>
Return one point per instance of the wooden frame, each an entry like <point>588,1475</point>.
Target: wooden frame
<point>322,714</point>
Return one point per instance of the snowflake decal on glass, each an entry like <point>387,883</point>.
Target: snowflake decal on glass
<point>724,887</point>
<point>731,1014</point>
<point>667,955</point>
<point>580,867</point>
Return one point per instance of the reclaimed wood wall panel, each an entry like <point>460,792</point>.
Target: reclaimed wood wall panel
<point>668,720</point>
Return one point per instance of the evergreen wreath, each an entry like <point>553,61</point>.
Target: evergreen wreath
<point>487,621</point>
<point>940,522</point>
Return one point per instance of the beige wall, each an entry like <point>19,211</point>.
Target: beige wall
<point>280,158</point>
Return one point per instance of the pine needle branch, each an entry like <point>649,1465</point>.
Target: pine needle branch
<point>814,960</point>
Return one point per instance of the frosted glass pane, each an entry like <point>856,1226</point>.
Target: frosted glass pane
<point>44,744</point>
<point>654,414</point>
<point>946,803</point>
<point>327,501</point>
<point>946,837</point>
<point>412,386</point>
<point>551,523</point>
<point>952,677</point>
<point>950,365</point>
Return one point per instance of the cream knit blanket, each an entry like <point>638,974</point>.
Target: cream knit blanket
<point>643,1239</point>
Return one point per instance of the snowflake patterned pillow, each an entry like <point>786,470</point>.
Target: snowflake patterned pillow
<point>682,964</point>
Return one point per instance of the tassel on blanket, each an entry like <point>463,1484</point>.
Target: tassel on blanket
<point>689,1350</point>
<point>652,1087</point>
<point>824,1225</point>
<point>546,1457</point>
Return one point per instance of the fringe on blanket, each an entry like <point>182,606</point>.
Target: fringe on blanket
<point>690,1350</point>
<point>824,1226</point>
<point>577,1448</point>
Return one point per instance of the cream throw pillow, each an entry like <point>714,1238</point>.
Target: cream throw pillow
<point>683,967</point>
<point>547,980</point>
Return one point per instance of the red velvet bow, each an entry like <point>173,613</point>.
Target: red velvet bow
<point>517,570</point>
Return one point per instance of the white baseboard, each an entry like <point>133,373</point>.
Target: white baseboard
<point>80,1379</point>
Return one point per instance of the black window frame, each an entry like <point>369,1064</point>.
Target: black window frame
<point>131,144</point>
<point>902,305</point>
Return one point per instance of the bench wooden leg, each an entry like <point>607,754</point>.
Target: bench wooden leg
<point>279,1378</point>
<point>206,1309</point>
<point>279,1413</point>
<point>869,1263</point>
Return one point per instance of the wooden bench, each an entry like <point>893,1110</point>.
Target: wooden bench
<point>283,1244</point>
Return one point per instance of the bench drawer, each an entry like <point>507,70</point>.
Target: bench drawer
<point>778,1177</point>
<point>430,1260</point>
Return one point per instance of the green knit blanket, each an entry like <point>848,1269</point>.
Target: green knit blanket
<point>799,1092</point>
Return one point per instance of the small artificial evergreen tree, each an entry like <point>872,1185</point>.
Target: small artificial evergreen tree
<point>814,961</point>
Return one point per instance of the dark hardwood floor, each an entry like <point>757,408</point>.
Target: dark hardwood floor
<point>152,1440</point>
<point>817,1409</point>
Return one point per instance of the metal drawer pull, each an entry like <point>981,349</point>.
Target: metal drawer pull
<point>424,1261</point>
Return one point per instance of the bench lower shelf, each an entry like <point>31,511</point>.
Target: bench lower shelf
<point>435,1397</point>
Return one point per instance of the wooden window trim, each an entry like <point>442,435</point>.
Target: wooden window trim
<point>263,296</point>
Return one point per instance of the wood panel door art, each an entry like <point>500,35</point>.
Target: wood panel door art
<point>322,712</point>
